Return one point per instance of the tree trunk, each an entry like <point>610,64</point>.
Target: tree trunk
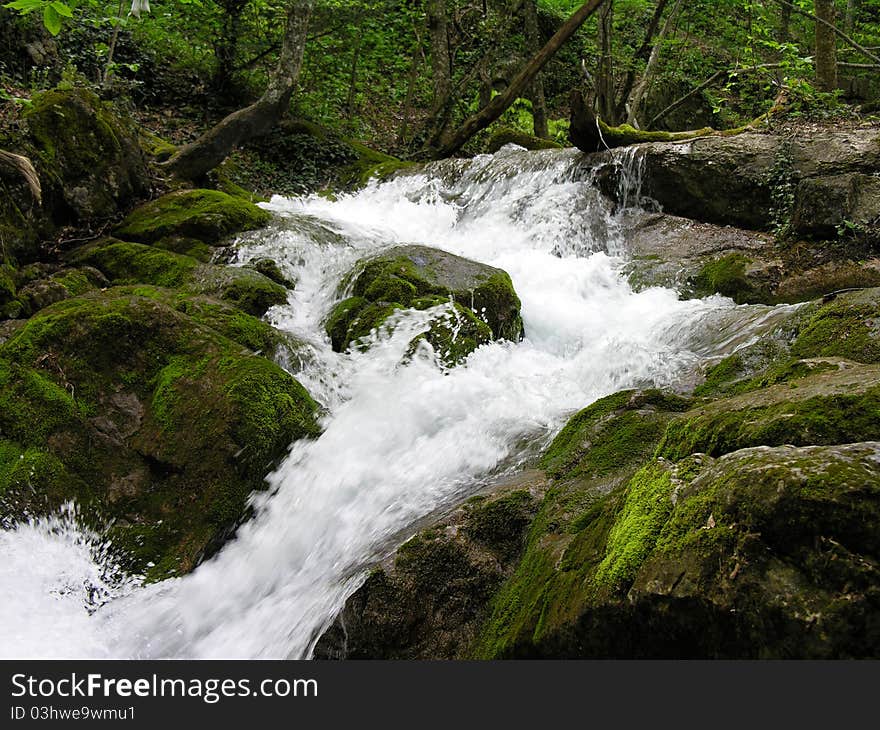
<point>640,55</point>
<point>352,78</point>
<point>852,10</point>
<point>500,103</point>
<point>536,90</point>
<point>826,47</point>
<point>226,46</point>
<point>833,28</point>
<point>22,166</point>
<point>200,157</point>
<point>638,94</point>
<point>441,69</point>
<point>605,71</point>
<point>410,93</point>
<point>590,134</point>
<point>785,24</point>
<point>441,61</point>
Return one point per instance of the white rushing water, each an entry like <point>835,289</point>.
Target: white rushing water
<point>402,437</point>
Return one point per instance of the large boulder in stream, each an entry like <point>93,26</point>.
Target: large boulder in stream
<point>700,259</point>
<point>812,181</point>
<point>150,409</point>
<point>482,304</point>
<point>739,522</point>
<point>89,163</point>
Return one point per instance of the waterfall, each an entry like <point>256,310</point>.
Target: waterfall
<point>402,437</point>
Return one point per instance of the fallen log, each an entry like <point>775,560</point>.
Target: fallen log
<point>590,134</point>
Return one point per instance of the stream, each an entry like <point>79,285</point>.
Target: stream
<point>403,437</point>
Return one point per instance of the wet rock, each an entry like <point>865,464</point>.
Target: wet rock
<point>148,411</point>
<point>763,553</point>
<point>700,259</point>
<point>88,157</point>
<point>134,263</point>
<point>204,215</point>
<point>485,304</point>
<point>742,180</point>
<point>432,600</point>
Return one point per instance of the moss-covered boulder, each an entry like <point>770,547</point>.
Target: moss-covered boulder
<point>89,164</point>
<point>88,157</point>
<point>433,599</point>
<point>205,215</point>
<point>134,263</point>
<point>485,305</point>
<point>614,434</point>
<point>764,553</point>
<point>464,559</point>
<point>834,406</point>
<point>148,415</point>
<point>824,335</point>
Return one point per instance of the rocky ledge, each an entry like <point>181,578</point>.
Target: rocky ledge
<point>737,522</point>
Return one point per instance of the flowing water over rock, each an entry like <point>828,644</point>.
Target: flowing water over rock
<point>403,436</point>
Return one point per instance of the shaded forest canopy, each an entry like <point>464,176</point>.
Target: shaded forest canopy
<point>403,75</point>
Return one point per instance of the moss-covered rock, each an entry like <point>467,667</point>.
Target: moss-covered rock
<point>486,305</point>
<point>88,157</point>
<point>831,407</point>
<point>89,164</point>
<point>270,269</point>
<point>825,335</point>
<point>162,424</point>
<point>432,601</point>
<point>611,434</point>
<point>40,293</point>
<point>249,290</point>
<point>205,215</point>
<point>847,325</point>
<point>134,263</point>
<point>764,553</point>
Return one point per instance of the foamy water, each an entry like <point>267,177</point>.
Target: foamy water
<point>403,436</point>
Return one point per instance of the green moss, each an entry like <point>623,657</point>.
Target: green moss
<point>160,422</point>
<point>388,287</point>
<point>75,281</point>
<point>271,270</point>
<point>727,276</point>
<point>732,377</point>
<point>368,164</point>
<point>155,146</point>
<point>191,247</point>
<point>625,135</point>
<point>500,523</point>
<point>632,538</point>
<point>848,326</point>
<point>507,135</point>
<point>611,434</point>
<point>206,215</point>
<point>31,405</point>
<point>355,318</point>
<point>247,289</point>
<point>129,263</point>
<point>166,397</point>
<point>253,333</point>
<point>7,284</point>
<point>554,581</point>
<point>32,482</point>
<point>807,415</point>
<point>414,276</point>
<point>272,409</point>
